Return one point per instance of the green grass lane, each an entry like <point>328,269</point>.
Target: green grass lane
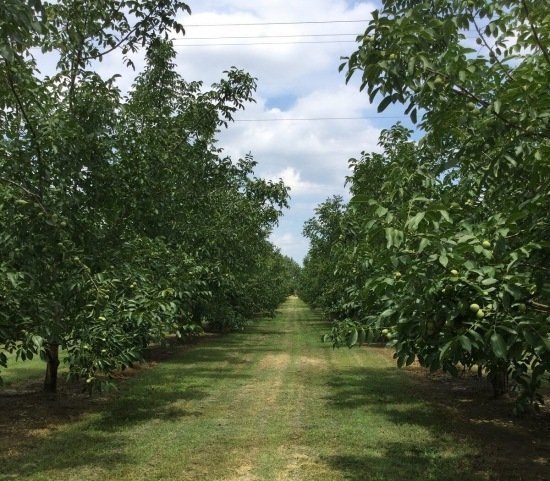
<point>271,404</point>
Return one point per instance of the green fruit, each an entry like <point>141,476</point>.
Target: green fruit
<point>474,307</point>
<point>486,244</point>
<point>385,332</point>
<point>480,314</point>
<point>454,272</point>
<point>522,308</point>
<point>397,274</point>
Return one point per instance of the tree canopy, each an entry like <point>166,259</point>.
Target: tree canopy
<point>121,220</point>
<point>444,246</point>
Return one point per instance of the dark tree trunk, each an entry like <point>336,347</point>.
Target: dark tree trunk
<point>499,381</point>
<point>52,363</point>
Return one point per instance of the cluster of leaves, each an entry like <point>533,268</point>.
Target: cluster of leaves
<point>121,221</point>
<point>444,246</point>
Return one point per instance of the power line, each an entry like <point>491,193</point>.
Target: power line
<point>262,43</point>
<point>275,36</point>
<point>293,119</point>
<point>275,23</point>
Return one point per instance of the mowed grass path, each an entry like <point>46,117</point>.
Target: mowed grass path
<point>269,404</point>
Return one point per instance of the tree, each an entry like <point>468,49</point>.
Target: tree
<point>323,231</point>
<point>450,234</point>
<point>120,219</point>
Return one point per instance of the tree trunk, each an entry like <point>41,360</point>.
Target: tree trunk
<point>52,363</point>
<point>499,381</point>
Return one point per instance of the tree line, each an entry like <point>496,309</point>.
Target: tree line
<point>121,220</point>
<point>443,250</point>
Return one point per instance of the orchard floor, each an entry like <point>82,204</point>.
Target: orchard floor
<point>271,404</point>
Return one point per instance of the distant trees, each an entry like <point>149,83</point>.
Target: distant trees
<point>120,219</point>
<point>444,247</point>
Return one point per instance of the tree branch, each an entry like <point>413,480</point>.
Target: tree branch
<point>32,130</point>
<point>484,40</point>
<point>535,33</point>
<point>121,41</point>
<point>538,306</point>
<point>35,196</point>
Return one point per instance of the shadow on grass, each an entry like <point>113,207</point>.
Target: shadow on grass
<point>70,450</point>
<point>152,402</point>
<point>402,462</point>
<point>38,433</point>
<point>501,447</point>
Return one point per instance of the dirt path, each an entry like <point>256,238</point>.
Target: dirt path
<point>272,404</point>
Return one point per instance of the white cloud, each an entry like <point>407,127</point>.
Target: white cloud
<point>293,179</point>
<point>291,244</point>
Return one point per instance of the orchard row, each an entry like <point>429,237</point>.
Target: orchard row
<point>444,248</point>
<point>120,219</point>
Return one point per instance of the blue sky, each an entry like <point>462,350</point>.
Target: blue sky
<point>294,81</point>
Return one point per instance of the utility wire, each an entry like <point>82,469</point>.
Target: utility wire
<point>274,23</point>
<point>323,118</point>
<point>261,43</point>
<point>275,36</point>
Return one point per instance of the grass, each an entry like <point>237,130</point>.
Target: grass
<point>19,370</point>
<point>269,404</point>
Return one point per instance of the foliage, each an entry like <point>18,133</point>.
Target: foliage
<point>121,220</point>
<point>448,236</point>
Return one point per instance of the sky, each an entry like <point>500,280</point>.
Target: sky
<point>295,81</point>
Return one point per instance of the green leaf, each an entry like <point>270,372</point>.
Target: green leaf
<point>384,104</point>
<point>411,65</point>
<point>443,353</point>
<point>381,211</point>
<point>414,221</point>
<point>498,346</point>
<point>465,343</point>
<point>353,337</point>
<point>446,216</point>
<point>423,244</point>
<point>387,313</point>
